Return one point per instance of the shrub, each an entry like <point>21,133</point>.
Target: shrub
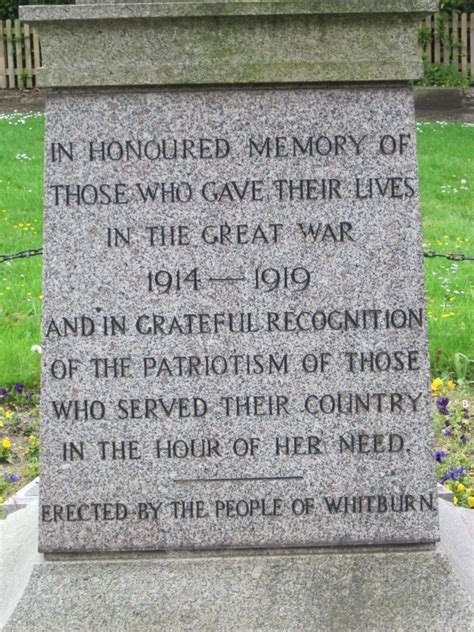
<point>446,75</point>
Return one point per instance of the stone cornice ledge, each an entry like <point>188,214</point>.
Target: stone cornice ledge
<point>226,8</point>
<point>254,42</point>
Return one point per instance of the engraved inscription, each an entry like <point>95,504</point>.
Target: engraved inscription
<point>234,328</point>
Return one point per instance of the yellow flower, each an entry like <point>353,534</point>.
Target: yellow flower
<point>436,385</point>
<point>452,384</point>
<point>1,423</point>
<point>8,414</point>
<point>6,443</point>
<point>455,501</point>
<point>470,502</point>
<point>460,488</point>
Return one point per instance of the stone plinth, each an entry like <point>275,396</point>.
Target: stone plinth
<point>350,592</point>
<point>179,43</point>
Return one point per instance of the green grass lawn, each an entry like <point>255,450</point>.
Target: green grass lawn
<point>21,227</point>
<point>446,162</point>
<point>446,155</point>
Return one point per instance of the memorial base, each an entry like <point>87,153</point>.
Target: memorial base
<point>413,588</point>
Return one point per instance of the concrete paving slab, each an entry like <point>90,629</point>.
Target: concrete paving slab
<point>457,542</point>
<point>18,555</point>
<point>27,495</point>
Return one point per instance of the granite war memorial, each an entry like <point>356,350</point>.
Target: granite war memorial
<point>236,423</point>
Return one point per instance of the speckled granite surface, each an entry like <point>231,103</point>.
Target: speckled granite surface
<point>176,43</point>
<point>274,385</point>
<point>410,591</point>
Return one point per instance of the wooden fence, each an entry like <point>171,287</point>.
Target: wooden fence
<point>448,41</point>
<point>20,54</point>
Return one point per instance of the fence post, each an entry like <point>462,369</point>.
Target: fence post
<point>29,71</point>
<point>455,40</point>
<point>437,42</point>
<point>464,42</point>
<point>36,54</point>
<point>472,45</point>
<point>425,49</point>
<point>19,54</point>
<point>430,23</point>
<point>3,68</point>
<point>446,43</point>
<point>9,45</point>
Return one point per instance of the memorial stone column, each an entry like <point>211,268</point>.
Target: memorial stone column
<point>236,416</point>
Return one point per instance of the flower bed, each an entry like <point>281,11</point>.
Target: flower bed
<point>19,441</point>
<point>454,445</point>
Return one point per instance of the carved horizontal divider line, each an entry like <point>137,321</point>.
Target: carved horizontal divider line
<point>441,42</point>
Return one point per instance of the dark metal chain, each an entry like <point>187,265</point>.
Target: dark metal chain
<point>453,256</point>
<point>24,254</point>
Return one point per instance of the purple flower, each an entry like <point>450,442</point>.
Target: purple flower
<point>4,393</point>
<point>12,478</point>
<point>442,405</point>
<point>458,472</point>
<point>455,474</point>
<point>446,476</point>
<point>447,431</point>
<point>441,455</point>
<point>464,439</point>
<point>18,388</point>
